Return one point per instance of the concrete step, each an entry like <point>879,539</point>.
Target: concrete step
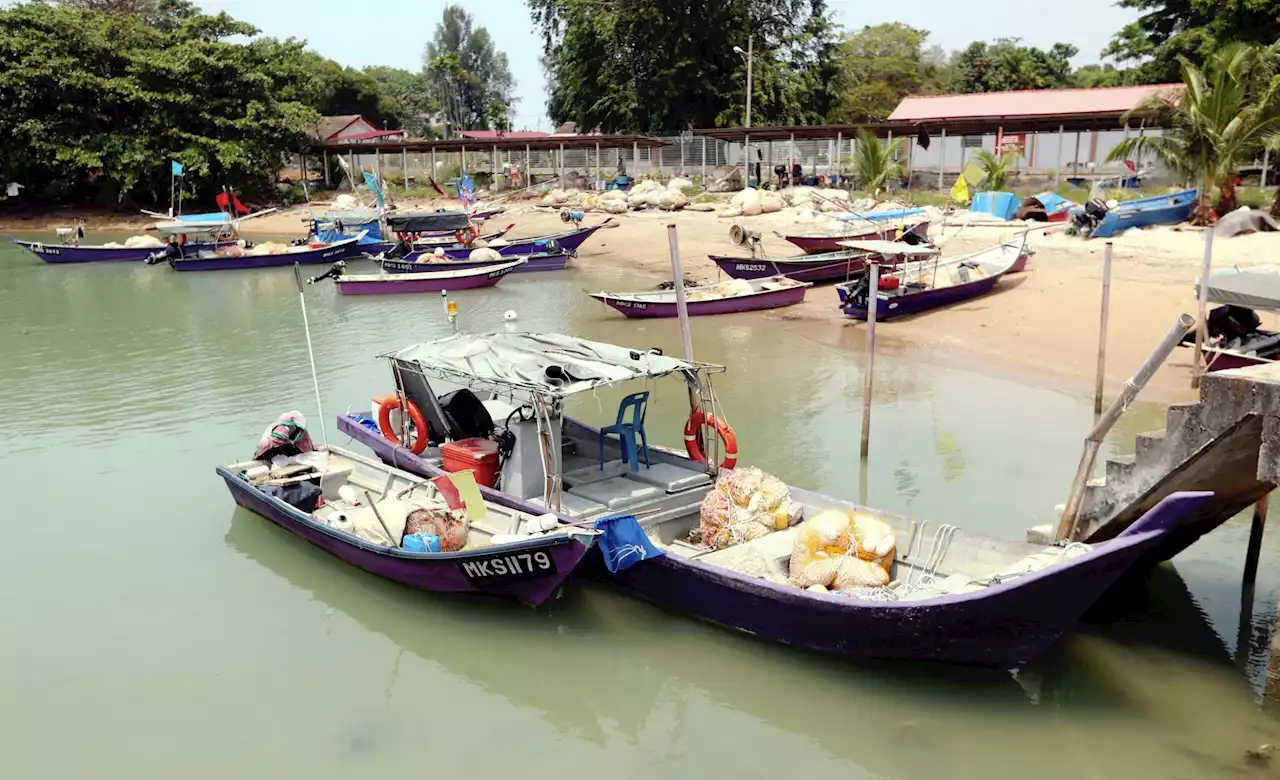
<point>1179,416</point>
<point>1149,449</point>
<point>1120,468</point>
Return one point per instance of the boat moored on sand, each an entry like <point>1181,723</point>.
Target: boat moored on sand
<point>731,297</point>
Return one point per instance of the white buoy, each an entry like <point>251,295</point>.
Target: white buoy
<point>510,315</point>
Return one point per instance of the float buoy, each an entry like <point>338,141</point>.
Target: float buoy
<point>700,418</point>
<point>386,403</point>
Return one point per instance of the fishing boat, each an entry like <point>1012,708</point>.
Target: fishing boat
<point>193,233</point>
<point>1235,334</point>
<point>236,258</point>
<point>1099,220</point>
<point>533,263</point>
<point>826,267</point>
<point>731,297</point>
<point>919,285</point>
<point>569,241</point>
<point>426,281</point>
<point>815,244</point>
<point>364,512</point>
<point>951,595</point>
<point>897,215</point>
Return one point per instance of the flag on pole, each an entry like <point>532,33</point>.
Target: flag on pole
<point>176,167</point>
<point>371,182</point>
<point>960,191</point>
<point>466,191</point>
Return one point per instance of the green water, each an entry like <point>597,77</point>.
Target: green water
<point>153,630</point>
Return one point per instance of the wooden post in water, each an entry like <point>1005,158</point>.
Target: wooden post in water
<point>404,167</point>
<point>1201,313</point>
<point>1255,539</point>
<point>682,314</point>
<point>1102,330</point>
<point>873,303</point>
<point>326,168</point>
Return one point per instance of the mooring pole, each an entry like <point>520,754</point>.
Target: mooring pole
<point>1255,539</point>
<point>682,314</point>
<point>1067,523</point>
<point>1203,305</point>
<point>1102,330</point>
<point>873,301</point>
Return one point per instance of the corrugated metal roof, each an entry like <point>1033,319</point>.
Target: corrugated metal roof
<point>1028,103</point>
<point>490,135</point>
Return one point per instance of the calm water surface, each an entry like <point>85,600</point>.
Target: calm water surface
<point>153,630</point>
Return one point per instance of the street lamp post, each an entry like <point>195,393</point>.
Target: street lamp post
<point>747,55</point>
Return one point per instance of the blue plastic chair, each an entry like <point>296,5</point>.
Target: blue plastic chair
<point>629,431</point>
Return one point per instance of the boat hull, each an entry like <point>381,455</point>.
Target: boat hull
<point>57,253</point>
<point>534,264</point>
<point>906,305</point>
<point>569,241</point>
<point>1001,626</point>
<point>831,267</point>
<point>771,299</point>
<point>816,245</point>
<point>438,574</point>
<point>389,284</point>
<point>327,254</point>
<point>1146,212</point>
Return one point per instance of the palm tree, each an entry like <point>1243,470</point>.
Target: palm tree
<point>997,169</point>
<point>1218,120</point>
<point>874,165</point>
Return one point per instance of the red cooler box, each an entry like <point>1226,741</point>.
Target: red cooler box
<point>478,455</point>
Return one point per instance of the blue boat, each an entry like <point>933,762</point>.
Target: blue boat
<point>1169,209</point>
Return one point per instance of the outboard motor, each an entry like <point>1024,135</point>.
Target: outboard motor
<point>401,249</point>
<point>334,272</point>
<point>1094,212</point>
<point>172,251</point>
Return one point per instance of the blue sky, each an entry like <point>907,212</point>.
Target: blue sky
<point>393,32</point>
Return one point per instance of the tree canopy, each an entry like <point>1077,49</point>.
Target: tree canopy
<point>1006,65</point>
<point>1194,29</point>
<point>470,79</point>
<point>879,66</point>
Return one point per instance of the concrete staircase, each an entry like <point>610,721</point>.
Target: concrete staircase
<point>1227,442</point>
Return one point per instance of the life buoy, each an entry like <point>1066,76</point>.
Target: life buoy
<point>386,403</point>
<point>694,448</point>
<point>466,235</point>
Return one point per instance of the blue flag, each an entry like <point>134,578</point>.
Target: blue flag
<point>372,182</point>
<point>623,543</point>
<point>466,190</point>
<point>176,167</point>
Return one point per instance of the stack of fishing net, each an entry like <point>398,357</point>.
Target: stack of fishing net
<point>840,551</point>
<point>745,504</point>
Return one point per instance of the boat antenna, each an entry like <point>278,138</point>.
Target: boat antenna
<point>306,326</point>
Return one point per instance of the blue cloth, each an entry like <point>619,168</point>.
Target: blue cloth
<point>367,422</point>
<point>466,190</point>
<point>421,543</point>
<point>1003,205</point>
<point>176,167</point>
<point>372,182</point>
<point>623,542</point>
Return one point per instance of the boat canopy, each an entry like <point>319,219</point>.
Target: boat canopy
<point>1256,289</point>
<point>549,364</point>
<point>892,248</point>
<point>428,221</point>
<point>359,216</point>
<point>879,216</point>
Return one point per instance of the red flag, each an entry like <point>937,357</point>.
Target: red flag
<point>240,207</point>
<point>223,200</point>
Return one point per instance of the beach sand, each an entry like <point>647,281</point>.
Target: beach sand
<point>1041,325</point>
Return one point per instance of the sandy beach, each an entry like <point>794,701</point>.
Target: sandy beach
<point>1041,325</point>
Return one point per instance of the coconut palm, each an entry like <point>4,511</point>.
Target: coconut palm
<point>874,165</point>
<point>1214,123</point>
<point>998,169</point>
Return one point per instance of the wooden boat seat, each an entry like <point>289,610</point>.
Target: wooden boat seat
<point>592,473</point>
<point>774,547</point>
<point>617,494</point>
<point>574,505</point>
<point>672,479</point>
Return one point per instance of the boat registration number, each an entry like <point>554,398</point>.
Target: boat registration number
<point>752,267</point>
<point>512,567</point>
<point>631,305</point>
<point>48,250</point>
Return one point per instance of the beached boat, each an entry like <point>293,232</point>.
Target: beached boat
<point>235,258</point>
<point>840,266</point>
<point>1171,209</point>
<point>1236,337</point>
<point>368,509</point>
<point>426,281</point>
<point>920,285</point>
<point>193,233</point>
<point>951,595</point>
<point>724,298</point>
<point>568,241</point>
<point>543,261</point>
<point>881,230</point>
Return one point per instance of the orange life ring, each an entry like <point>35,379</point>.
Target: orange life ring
<point>466,235</point>
<point>694,448</point>
<point>388,402</point>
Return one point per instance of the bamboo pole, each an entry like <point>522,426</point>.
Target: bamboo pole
<point>1102,329</point>
<point>1203,305</point>
<point>873,301</point>
<point>326,169</point>
<point>682,313</point>
<point>1067,523</point>
<point>942,155</point>
<point>1255,539</point>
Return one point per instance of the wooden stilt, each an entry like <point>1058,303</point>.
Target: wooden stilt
<point>1255,540</point>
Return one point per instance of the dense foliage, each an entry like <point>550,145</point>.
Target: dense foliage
<point>469,78</point>
<point>1194,29</point>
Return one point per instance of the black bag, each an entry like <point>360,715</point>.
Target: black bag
<point>468,414</point>
<point>304,496</point>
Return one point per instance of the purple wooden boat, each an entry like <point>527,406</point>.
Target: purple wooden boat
<point>429,281</point>
<point>770,293</point>
<point>67,253</point>
<point>839,266</point>
<point>530,569</point>
<point>568,241</point>
<point>212,261</point>
<point>821,244</point>
<point>954,596</point>
<point>546,261</point>
<point>927,284</point>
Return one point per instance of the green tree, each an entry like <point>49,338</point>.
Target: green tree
<point>1108,75</point>
<point>1005,65</point>
<point>406,96</point>
<point>166,15</point>
<point>663,66</point>
<point>878,67</point>
<point>1169,30</point>
<point>469,76</point>
<point>1217,121</point>
<point>874,163</point>
<point>998,168</point>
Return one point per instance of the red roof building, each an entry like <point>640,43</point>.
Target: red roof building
<point>1028,109</point>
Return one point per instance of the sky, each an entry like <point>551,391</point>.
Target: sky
<point>393,32</point>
